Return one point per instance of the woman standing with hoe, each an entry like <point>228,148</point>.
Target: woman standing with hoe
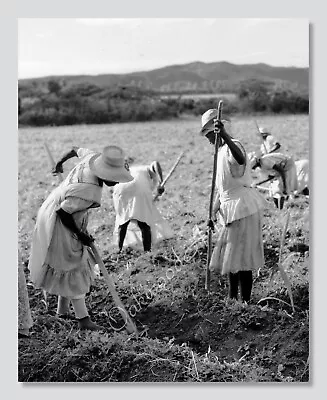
<point>239,247</point>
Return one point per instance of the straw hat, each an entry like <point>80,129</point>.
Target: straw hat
<point>109,165</point>
<point>207,119</point>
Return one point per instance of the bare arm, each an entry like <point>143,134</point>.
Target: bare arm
<point>215,209</point>
<point>70,154</point>
<point>282,174</point>
<point>158,171</point>
<point>235,150</point>
<point>276,147</point>
<point>68,220</point>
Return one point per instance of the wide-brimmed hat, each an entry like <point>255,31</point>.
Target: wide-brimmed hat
<point>207,119</point>
<point>110,165</point>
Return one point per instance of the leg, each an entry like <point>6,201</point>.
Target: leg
<point>80,307</point>
<point>122,233</point>
<point>63,307</point>
<point>233,285</point>
<point>276,202</point>
<point>279,203</point>
<point>282,200</point>
<point>146,235</point>
<point>82,315</point>
<point>246,285</point>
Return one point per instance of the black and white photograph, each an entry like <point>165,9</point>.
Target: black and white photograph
<point>163,200</point>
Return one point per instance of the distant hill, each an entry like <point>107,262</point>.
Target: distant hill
<point>192,77</point>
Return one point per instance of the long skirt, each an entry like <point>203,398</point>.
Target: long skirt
<point>239,246</point>
<point>59,263</point>
<point>68,269</point>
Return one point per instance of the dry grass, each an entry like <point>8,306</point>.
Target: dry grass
<point>262,342</point>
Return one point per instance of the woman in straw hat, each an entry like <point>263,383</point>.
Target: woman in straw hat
<point>138,221</point>
<point>239,247</point>
<point>61,261</point>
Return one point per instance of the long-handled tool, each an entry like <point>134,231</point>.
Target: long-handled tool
<point>266,189</point>
<point>265,180</point>
<point>213,184</point>
<point>129,324</point>
<point>261,138</point>
<point>169,173</point>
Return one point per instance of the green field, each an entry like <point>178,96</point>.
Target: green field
<point>188,335</point>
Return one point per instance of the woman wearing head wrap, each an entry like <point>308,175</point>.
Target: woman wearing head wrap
<point>138,221</point>
<point>239,247</point>
<point>61,261</point>
<point>269,144</point>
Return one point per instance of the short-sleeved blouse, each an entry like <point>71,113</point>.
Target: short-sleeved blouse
<point>233,181</point>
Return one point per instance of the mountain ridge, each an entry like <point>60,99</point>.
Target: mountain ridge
<point>193,76</point>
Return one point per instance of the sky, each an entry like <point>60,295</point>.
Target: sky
<point>75,46</point>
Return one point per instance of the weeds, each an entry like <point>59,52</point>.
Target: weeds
<point>186,334</point>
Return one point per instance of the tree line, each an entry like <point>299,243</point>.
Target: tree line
<point>54,103</point>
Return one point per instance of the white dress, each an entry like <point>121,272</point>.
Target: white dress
<point>239,245</point>
<point>59,263</point>
<point>134,201</point>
